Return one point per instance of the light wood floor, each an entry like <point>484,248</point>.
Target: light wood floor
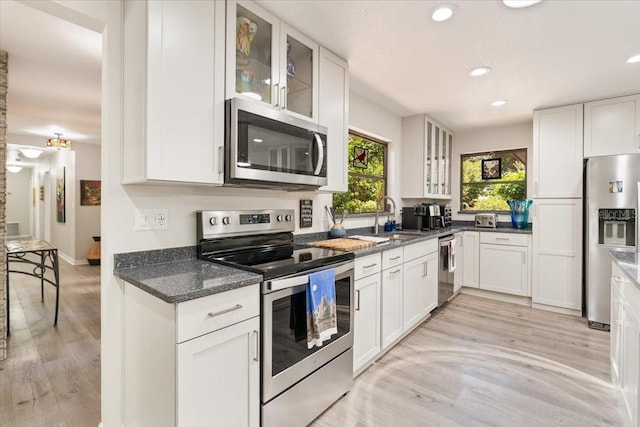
<point>51,376</point>
<point>480,362</point>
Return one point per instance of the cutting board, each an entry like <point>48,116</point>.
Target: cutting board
<point>344,244</point>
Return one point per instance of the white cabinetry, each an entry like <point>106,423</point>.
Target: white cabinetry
<point>557,253</point>
<point>504,261</point>
<point>612,126</point>
<point>334,114</point>
<point>173,70</point>
<point>470,270</point>
<point>459,257</point>
<point>366,340</point>
<point>270,61</point>
<point>625,342</point>
<point>420,271</point>
<point>193,363</point>
<point>426,151</point>
<point>557,152</point>
<point>392,281</point>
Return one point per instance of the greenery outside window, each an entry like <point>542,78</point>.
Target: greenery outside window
<point>504,178</point>
<point>367,175</point>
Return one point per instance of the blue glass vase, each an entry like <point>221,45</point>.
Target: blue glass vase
<point>519,212</point>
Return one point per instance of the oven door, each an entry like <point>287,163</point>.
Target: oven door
<point>286,359</point>
<point>267,146</point>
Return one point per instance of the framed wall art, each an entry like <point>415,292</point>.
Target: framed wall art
<point>491,168</point>
<point>360,157</point>
<point>60,193</point>
<point>89,193</point>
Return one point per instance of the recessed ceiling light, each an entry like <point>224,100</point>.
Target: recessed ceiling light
<point>480,71</point>
<point>258,140</point>
<point>517,4</point>
<point>443,12</point>
<point>499,103</point>
<point>14,169</point>
<point>633,59</point>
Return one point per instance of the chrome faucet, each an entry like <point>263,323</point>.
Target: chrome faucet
<point>377,223</point>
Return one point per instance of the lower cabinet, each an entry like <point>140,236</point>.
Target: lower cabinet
<point>217,379</point>
<point>470,271</point>
<point>194,363</point>
<point>625,342</point>
<point>459,257</point>
<point>366,324</point>
<point>366,340</point>
<point>392,285</point>
<point>420,293</point>
<point>504,260</point>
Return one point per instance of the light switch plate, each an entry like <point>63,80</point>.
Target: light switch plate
<point>151,219</point>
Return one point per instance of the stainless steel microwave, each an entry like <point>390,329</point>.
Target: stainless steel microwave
<point>268,148</point>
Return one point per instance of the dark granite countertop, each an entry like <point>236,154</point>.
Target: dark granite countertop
<point>629,263</point>
<point>176,275</point>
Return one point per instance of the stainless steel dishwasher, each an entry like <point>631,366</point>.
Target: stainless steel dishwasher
<point>446,268</point>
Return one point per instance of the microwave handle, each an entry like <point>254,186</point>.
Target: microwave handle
<point>320,154</point>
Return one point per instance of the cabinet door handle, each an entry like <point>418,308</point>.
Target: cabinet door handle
<point>523,259</point>
<point>225,311</point>
<point>536,186</point>
<point>283,97</point>
<point>426,269</point>
<point>358,300</point>
<point>256,334</point>
<point>276,95</point>
<point>394,271</point>
<point>220,160</point>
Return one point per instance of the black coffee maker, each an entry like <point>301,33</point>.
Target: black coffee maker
<point>432,220</point>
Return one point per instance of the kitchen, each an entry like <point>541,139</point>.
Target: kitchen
<point>364,115</point>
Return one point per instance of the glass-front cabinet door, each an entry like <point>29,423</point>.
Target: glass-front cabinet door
<point>438,160</point>
<point>269,61</point>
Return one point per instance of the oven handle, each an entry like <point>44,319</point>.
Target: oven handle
<point>290,282</point>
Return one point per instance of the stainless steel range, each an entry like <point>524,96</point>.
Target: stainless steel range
<point>298,383</point>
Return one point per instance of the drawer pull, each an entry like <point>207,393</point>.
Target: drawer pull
<point>394,258</point>
<point>503,238</point>
<point>225,311</point>
<point>394,272</point>
<point>370,265</point>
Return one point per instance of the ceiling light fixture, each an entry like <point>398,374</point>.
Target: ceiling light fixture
<point>58,143</point>
<point>32,153</point>
<point>518,4</point>
<point>634,59</point>
<point>443,12</point>
<point>480,71</point>
<point>499,103</point>
<point>14,168</point>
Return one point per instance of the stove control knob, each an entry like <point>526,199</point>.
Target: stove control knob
<point>213,220</point>
<point>287,218</point>
<point>279,218</point>
<point>225,220</point>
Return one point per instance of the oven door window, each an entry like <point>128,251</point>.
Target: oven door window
<point>289,326</point>
<point>269,145</point>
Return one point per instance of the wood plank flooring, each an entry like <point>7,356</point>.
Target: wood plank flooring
<point>51,376</point>
<point>477,362</point>
<point>480,362</point>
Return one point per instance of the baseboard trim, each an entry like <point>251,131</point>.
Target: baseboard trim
<point>561,310</point>
<point>499,296</point>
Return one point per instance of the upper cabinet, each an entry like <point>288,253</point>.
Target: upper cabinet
<point>173,91</point>
<point>612,126</point>
<point>270,62</point>
<point>334,115</point>
<point>557,152</point>
<point>427,149</point>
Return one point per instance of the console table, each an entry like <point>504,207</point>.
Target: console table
<point>40,257</point>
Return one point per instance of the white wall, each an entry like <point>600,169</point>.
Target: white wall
<point>87,217</point>
<point>19,200</point>
<point>489,139</point>
<point>370,118</point>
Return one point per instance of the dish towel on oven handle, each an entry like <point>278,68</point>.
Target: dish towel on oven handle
<point>322,320</point>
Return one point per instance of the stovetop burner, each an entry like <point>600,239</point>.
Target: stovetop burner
<point>221,238</point>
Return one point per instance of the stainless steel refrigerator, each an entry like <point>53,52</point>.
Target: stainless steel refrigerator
<point>610,219</point>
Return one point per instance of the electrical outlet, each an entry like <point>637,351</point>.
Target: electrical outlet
<point>151,219</point>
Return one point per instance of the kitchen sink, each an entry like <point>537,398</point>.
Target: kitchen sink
<point>403,236</point>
